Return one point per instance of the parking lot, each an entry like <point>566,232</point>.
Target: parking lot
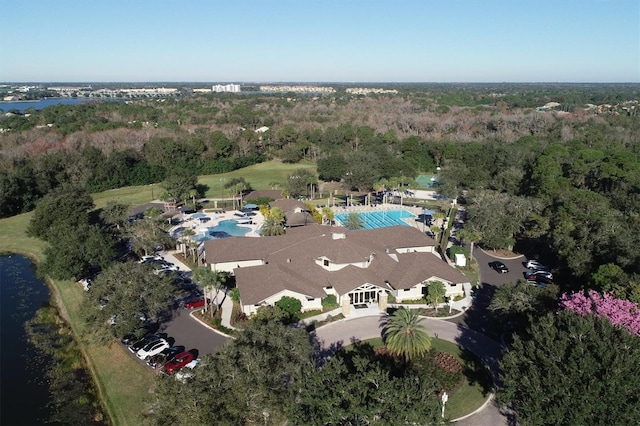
<point>190,333</point>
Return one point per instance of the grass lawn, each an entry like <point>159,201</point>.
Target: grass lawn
<point>260,176</point>
<point>471,394</point>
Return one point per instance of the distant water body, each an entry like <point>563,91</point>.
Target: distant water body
<point>21,106</point>
<point>23,387</point>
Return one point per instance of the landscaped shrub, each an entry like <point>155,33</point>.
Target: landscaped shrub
<point>291,306</point>
<point>442,367</point>
<point>330,302</point>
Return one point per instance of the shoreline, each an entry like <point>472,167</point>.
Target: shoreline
<point>56,299</point>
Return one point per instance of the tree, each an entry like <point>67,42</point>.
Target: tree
<point>328,215</point>
<point>353,222</point>
<point>379,396</point>
<point>436,292</point>
<point>619,312</point>
<point>68,206</point>
<point>188,242</point>
<point>178,184</point>
<point>76,252</point>
<point>514,306</point>
<point>211,282</point>
<point>115,214</point>
<point>403,334</point>
<point>572,367</point>
<point>145,235</point>
<point>238,186</point>
<point>123,296</point>
<point>299,182</point>
<point>291,306</point>
<point>273,222</point>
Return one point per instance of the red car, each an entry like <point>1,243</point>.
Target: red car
<point>178,362</point>
<point>195,303</point>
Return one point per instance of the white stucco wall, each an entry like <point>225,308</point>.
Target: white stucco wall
<point>230,266</point>
<point>307,305</point>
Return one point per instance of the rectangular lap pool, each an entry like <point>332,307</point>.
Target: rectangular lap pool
<point>381,219</point>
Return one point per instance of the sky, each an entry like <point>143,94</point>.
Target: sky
<point>264,41</point>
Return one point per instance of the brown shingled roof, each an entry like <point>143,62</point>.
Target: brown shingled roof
<point>292,261</point>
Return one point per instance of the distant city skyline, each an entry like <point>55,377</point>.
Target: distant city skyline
<point>341,41</point>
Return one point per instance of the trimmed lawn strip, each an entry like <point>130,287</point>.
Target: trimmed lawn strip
<point>468,397</point>
<point>123,382</point>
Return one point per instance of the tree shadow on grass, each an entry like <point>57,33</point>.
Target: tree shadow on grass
<point>476,372</point>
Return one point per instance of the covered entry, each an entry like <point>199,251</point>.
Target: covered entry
<point>366,293</point>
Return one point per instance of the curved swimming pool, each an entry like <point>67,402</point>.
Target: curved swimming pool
<point>224,229</point>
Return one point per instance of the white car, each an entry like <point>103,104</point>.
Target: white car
<point>536,266</point>
<point>151,258</point>
<point>187,372</point>
<point>152,348</point>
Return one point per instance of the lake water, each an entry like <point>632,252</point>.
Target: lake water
<point>43,103</point>
<point>24,392</point>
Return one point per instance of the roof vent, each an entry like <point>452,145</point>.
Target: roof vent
<point>288,260</point>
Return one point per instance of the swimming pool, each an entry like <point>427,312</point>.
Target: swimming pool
<point>381,219</point>
<point>225,229</point>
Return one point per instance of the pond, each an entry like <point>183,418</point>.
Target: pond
<point>23,385</point>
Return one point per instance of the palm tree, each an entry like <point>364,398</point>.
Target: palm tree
<point>193,193</point>
<point>186,239</point>
<point>404,335</point>
<point>436,292</point>
<point>354,221</point>
<point>328,214</point>
<point>210,281</point>
<point>271,226</point>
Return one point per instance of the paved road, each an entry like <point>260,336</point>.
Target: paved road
<point>343,333</point>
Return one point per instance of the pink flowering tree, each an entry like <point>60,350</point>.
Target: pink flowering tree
<point>622,313</point>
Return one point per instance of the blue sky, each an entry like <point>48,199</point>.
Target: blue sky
<point>320,40</point>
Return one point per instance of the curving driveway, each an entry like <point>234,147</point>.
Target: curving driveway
<point>343,333</point>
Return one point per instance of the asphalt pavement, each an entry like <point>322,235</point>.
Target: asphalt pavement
<point>191,334</point>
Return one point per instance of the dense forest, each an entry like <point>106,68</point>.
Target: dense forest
<point>552,170</point>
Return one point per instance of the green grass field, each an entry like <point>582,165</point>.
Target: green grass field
<point>123,383</point>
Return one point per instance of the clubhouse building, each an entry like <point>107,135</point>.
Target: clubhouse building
<point>360,267</point>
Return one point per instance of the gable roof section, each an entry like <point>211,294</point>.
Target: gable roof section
<point>414,268</point>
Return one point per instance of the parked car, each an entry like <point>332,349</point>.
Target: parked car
<point>164,356</point>
<point>151,258</point>
<point>146,340</point>
<point>153,348</point>
<point>178,362</point>
<point>499,267</point>
<point>535,265</point>
<point>187,372</point>
<point>544,278</point>
<point>195,303</point>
